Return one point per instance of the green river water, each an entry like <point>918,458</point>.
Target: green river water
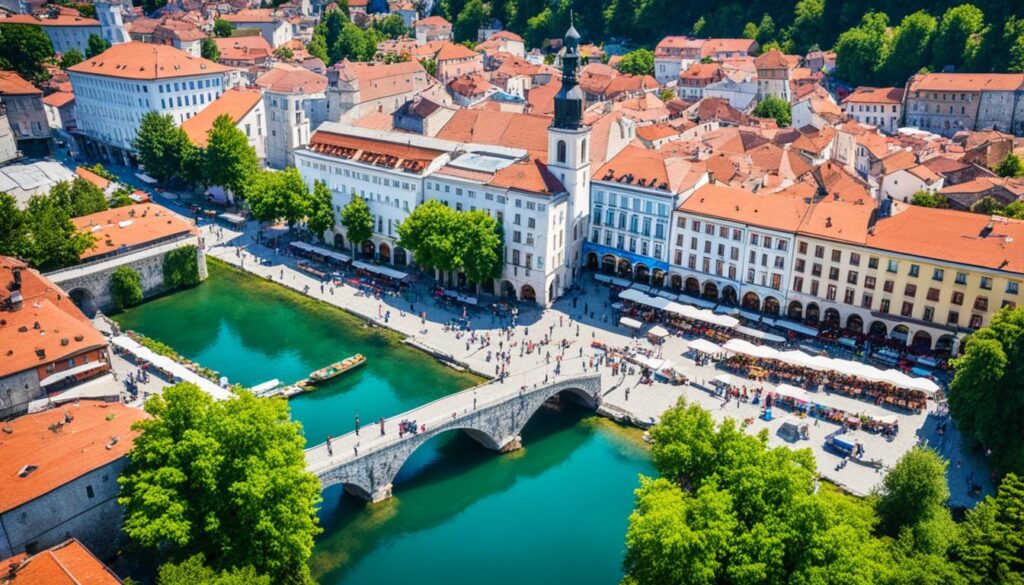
<point>552,512</point>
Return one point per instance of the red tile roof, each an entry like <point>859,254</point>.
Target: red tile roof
<point>769,210</point>
<point>61,456</point>
<point>92,177</point>
<point>432,21</point>
<point>41,333</point>
<point>967,82</point>
<point>286,78</point>
<point>62,20</point>
<point>59,99</point>
<point>245,16</point>
<point>526,131</point>
<point>249,49</point>
<point>532,176</point>
<point>35,288</point>
<point>956,236</point>
<point>129,226</point>
<point>68,563</point>
<point>394,155</point>
<point>13,84</point>
<point>875,95</point>
<point>451,51</point>
<point>665,169</point>
<point>136,60</point>
<point>235,103</point>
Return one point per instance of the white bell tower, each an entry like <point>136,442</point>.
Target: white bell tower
<point>569,156</point>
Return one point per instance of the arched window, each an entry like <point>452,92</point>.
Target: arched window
<point>583,151</point>
<point>561,151</point>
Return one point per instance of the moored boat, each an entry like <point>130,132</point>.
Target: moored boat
<point>338,368</point>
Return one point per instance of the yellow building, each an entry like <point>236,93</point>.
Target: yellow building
<point>922,276</point>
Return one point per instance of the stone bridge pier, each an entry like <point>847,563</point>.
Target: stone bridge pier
<point>495,423</point>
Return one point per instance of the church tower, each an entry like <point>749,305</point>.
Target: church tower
<point>569,155</point>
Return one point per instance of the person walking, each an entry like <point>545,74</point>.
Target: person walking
<point>357,424</point>
<point>382,426</point>
<point>330,451</point>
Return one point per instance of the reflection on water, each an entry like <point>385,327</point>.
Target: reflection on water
<point>552,512</point>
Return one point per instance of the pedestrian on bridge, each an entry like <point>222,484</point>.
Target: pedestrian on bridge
<point>330,451</point>
<point>357,424</point>
<point>382,426</point>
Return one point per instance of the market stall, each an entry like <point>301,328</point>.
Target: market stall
<point>631,323</point>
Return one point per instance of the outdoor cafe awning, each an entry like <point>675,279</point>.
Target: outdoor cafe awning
<point>65,374</point>
<point>794,392</point>
<point>658,331</point>
<point>705,346</point>
<point>232,218</point>
<point>460,297</point>
<point>801,329</point>
<point>758,334</point>
<point>337,256</point>
<point>631,323</point>
<point>381,270</point>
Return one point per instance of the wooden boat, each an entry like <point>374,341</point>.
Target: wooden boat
<point>338,368</point>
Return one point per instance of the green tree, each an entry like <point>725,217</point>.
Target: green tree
<point>25,48</point>
<point>392,27</point>
<point>808,26</point>
<point>479,242</point>
<point>150,6</point>
<point>958,36</point>
<point>430,66</point>
<point>638,62</point>
<point>13,231</point>
<point>126,287</point>
<point>224,478</point>
<point>229,160</point>
<point>992,547</point>
<point>320,216</point>
<point>910,47</point>
<point>284,53</point>
<point>986,397</point>
<point>278,195</point>
<point>163,147</point>
<point>987,206</point>
<point>208,49</point>
<point>193,570</point>
<point>429,234</point>
<point>666,95</point>
<point>52,240</point>
<point>358,221</point>
<point>775,108</point>
<point>222,28</point>
<point>1010,167</point>
<point>121,197</point>
<point>861,51</point>
<point>928,199</point>
<point>102,171</point>
<point>1013,41</point>
<point>766,32</point>
<point>71,58</point>
<point>79,197</point>
<point>1014,210</point>
<point>913,502</point>
<point>473,14</point>
<point>95,45</point>
<point>181,267</point>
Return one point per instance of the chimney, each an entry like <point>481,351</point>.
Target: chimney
<point>828,221</point>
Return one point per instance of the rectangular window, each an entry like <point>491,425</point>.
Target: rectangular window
<point>819,251</point>
<point>837,256</point>
<point>873,262</point>
<point>831,292</point>
<point>851,277</point>
<point>799,265</point>
<point>1012,287</point>
<point>961,278</point>
<point>833,273</point>
<point>914,270</point>
<point>854,259</point>
<point>981,303</point>
<point>938,274</point>
<point>910,290</point>
<point>866,301</point>
<point>986,283</point>
<point>953,318</point>
<point>816,269</point>
<point>802,247</point>
<point>894,266</point>
<point>798,283</point>
<point>884,306</point>
<point>888,286</point>
<point>933,294</point>
<point>907,310</point>
<point>848,296</point>
<point>958,298</point>
<point>929,314</point>
<point>869,282</point>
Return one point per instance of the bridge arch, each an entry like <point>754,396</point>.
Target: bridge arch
<point>85,300</point>
<point>496,424</point>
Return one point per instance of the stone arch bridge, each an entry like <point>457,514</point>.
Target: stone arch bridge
<point>88,284</point>
<point>493,414</point>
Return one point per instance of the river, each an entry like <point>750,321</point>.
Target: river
<point>552,512</point>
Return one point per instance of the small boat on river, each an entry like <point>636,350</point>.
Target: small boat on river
<point>338,368</point>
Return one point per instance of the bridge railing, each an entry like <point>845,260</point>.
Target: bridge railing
<point>432,415</point>
<point>88,265</point>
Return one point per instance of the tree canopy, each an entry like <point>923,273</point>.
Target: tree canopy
<point>928,199</point>
<point>278,195</point>
<point>95,45</point>
<point>986,397</point>
<point>357,220</point>
<point>638,62</point>
<point>163,147</point>
<point>1011,166</point>
<point>25,48</point>
<point>775,108</point>
<point>226,479</point>
<point>71,58</point>
<point>440,237</point>
<point>336,37</point>
<point>474,13</point>
<point>222,28</point>
<point>208,49</point>
<point>729,509</point>
<point>320,216</point>
<point>51,241</point>
<point>193,570</point>
<point>79,197</point>
<point>229,160</point>
<point>126,287</point>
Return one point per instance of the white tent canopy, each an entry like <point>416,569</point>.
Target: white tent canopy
<point>705,346</point>
<point>794,392</point>
<point>337,256</point>
<point>825,364</point>
<point>658,331</point>
<point>177,370</point>
<point>802,329</point>
<point>382,270</point>
<point>631,323</point>
<point>757,334</point>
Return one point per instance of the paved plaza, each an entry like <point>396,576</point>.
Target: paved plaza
<point>624,396</point>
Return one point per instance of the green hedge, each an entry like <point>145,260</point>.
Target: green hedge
<point>181,267</point>
<point>126,287</point>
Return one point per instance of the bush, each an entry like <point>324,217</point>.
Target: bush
<point>126,287</point>
<point>181,267</point>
